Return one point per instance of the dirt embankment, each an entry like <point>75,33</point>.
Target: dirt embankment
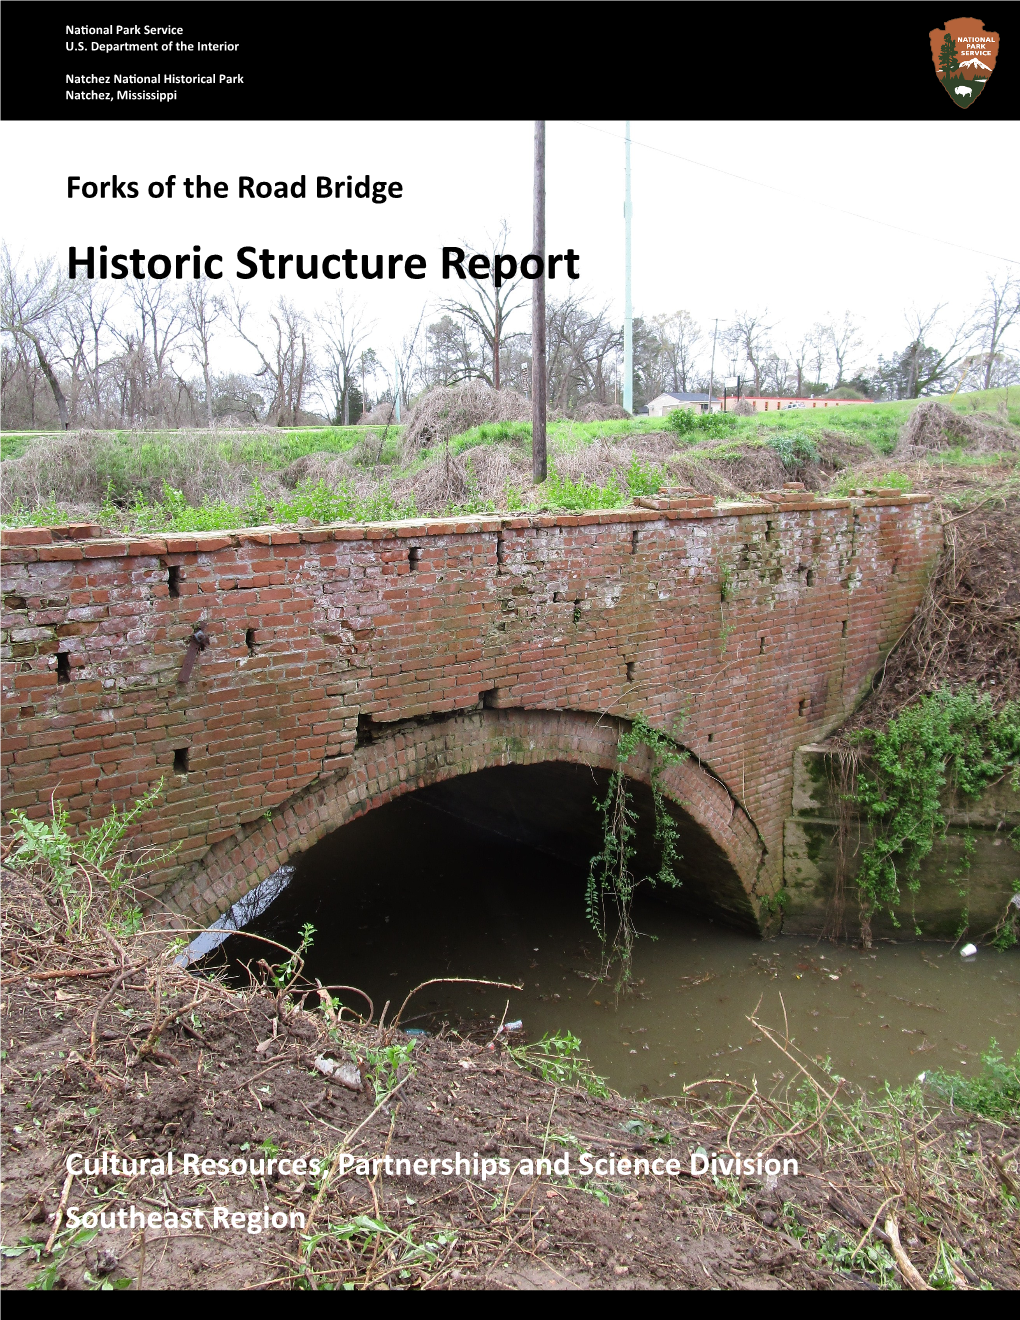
<point>967,628</point>
<point>111,1047</point>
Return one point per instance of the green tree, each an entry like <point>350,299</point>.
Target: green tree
<point>948,62</point>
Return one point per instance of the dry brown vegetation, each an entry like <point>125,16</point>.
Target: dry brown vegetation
<point>111,1045</point>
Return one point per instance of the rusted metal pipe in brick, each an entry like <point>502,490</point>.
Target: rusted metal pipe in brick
<point>197,643</point>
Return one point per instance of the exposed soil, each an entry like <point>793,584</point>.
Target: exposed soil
<point>230,1075</point>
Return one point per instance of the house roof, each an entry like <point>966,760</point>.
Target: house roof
<point>684,398</point>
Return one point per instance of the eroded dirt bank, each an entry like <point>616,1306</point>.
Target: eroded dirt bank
<point>111,1047</point>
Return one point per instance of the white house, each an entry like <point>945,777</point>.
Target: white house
<point>667,403</point>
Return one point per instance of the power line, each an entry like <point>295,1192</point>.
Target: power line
<point>786,192</point>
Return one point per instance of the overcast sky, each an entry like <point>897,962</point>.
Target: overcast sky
<point>777,237</point>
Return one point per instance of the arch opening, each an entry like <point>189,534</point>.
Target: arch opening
<point>477,876</point>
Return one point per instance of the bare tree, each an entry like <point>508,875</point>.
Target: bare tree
<point>775,374</point>
<point>841,337</point>
<point>409,362</point>
<point>86,318</point>
<point>489,309</point>
<point>748,335</point>
<point>30,304</point>
<point>801,356</point>
<point>201,312</point>
<point>343,332</point>
<point>679,336</point>
<point>284,355</point>
<point>991,321</point>
<point>581,349</point>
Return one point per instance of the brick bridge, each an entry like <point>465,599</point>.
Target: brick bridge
<point>346,665</point>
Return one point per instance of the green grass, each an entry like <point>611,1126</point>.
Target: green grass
<point>993,1093</point>
<point>143,473</point>
<point>13,446</point>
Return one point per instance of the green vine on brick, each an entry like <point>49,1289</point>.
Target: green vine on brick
<point>611,880</point>
<point>944,741</point>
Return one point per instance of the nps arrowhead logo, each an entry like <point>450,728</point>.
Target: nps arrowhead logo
<point>964,57</point>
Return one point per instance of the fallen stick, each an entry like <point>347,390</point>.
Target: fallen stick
<point>59,1215</point>
<point>61,972</point>
<point>449,980</point>
<point>907,1269</point>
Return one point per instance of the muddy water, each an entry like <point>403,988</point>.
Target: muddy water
<point>406,893</point>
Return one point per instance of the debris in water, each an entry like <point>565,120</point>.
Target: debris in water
<point>512,1026</point>
<point>968,951</point>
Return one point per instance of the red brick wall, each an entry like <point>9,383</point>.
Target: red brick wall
<point>607,613</point>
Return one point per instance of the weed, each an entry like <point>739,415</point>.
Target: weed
<point>645,478</point>
<point>993,1093</point>
<point>364,1234</point>
<point>793,447</point>
<point>558,1059</point>
<point>561,492</point>
<point>693,426</point>
<point>383,1064</point>
<point>872,1260</point>
<point>99,854</point>
<point>610,878</point>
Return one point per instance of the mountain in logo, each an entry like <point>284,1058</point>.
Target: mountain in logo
<point>958,51</point>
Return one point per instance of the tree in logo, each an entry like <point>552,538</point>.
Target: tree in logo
<point>948,63</point>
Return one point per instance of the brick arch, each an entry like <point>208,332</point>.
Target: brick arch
<point>416,754</point>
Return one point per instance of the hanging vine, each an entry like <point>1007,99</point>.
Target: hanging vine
<point>611,879</point>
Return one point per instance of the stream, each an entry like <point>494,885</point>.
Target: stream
<point>406,893</point>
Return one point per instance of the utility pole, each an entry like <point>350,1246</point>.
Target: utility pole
<point>538,381</point>
<point>711,370</point>
<point>628,309</point>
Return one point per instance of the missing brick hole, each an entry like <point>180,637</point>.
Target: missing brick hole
<point>711,736</point>
<point>63,667</point>
<point>500,550</point>
<point>249,640</point>
<point>811,577</point>
<point>364,734</point>
<point>181,756</point>
<point>631,670</point>
<point>802,706</point>
<point>761,645</point>
<point>414,557</point>
<point>173,581</point>
<point>845,622</point>
<point>634,541</point>
<point>895,567</point>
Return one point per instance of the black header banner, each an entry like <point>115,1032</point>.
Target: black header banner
<point>324,60</point>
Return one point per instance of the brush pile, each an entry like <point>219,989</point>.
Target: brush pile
<point>449,410</point>
<point>935,427</point>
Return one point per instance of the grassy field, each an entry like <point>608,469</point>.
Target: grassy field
<point>206,480</point>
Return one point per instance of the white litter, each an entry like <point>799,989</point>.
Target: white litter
<point>345,1073</point>
<point>968,951</point>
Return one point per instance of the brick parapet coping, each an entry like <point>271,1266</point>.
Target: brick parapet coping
<point>80,541</point>
<point>755,623</point>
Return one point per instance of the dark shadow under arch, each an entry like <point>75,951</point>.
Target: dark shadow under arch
<point>549,807</point>
<point>486,765</point>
